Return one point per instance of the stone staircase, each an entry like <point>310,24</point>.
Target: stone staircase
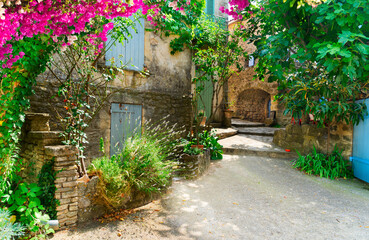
<point>253,139</point>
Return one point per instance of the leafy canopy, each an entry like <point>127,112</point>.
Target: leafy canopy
<point>318,53</point>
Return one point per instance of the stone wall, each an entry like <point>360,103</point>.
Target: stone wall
<point>89,207</point>
<point>35,136</point>
<point>165,90</point>
<point>193,166</point>
<point>65,158</point>
<point>243,82</point>
<point>39,145</point>
<point>252,105</point>
<point>304,137</point>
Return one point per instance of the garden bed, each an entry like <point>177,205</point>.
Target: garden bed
<point>89,207</point>
<point>193,166</point>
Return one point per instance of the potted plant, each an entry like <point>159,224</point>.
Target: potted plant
<point>228,113</point>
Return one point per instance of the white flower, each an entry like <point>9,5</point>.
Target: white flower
<point>173,4</point>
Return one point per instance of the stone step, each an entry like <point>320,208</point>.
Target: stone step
<point>254,145</point>
<point>216,125</point>
<point>243,123</point>
<point>224,132</point>
<point>260,131</point>
<point>37,122</point>
<point>44,137</point>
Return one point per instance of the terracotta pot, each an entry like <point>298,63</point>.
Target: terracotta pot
<point>201,147</point>
<point>228,113</point>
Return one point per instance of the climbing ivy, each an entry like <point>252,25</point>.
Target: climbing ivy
<point>46,181</point>
<point>15,87</point>
<point>178,18</point>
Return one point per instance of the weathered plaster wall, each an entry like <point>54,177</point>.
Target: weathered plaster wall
<point>304,137</point>
<point>165,90</point>
<point>217,5</point>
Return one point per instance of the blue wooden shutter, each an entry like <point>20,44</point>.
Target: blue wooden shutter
<point>209,7</point>
<point>131,52</point>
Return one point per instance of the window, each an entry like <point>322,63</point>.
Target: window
<point>251,61</point>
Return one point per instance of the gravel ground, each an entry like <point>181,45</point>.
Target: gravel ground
<point>245,197</point>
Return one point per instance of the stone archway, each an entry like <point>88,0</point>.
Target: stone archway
<point>253,105</point>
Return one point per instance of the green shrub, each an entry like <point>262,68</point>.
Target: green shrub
<point>23,200</point>
<point>187,148</point>
<point>8,228</point>
<point>330,166</point>
<point>209,140</point>
<point>46,181</point>
<point>144,164</point>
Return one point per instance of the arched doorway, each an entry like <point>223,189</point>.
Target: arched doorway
<point>253,105</point>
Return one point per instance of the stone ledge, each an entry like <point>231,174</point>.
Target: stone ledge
<point>37,122</point>
<point>44,134</point>
<point>60,150</point>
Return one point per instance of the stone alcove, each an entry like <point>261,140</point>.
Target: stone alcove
<point>253,105</point>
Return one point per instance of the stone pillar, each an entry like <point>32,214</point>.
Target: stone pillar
<point>65,158</point>
<point>35,136</point>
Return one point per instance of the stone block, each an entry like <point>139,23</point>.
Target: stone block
<point>60,190</point>
<point>70,179</point>
<point>289,129</point>
<point>62,213</point>
<point>69,173</point>
<point>84,202</point>
<point>62,219</point>
<point>60,150</point>
<point>40,135</point>
<point>66,168</point>
<point>37,122</point>
<point>294,138</point>
<point>296,129</point>
<point>60,179</point>
<point>279,136</point>
<point>69,184</point>
<point>57,195</point>
<point>69,194</point>
<point>71,214</point>
<point>71,221</point>
<point>73,208</point>
<point>62,207</point>
<point>65,201</point>
<point>61,159</point>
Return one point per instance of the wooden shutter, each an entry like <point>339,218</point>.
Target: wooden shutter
<point>209,7</point>
<point>131,52</point>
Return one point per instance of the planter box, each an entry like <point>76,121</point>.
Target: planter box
<point>89,208</point>
<point>194,166</point>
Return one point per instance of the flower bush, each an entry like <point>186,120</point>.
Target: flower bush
<point>30,32</point>
<point>58,19</point>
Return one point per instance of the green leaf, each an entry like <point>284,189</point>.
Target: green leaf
<point>21,208</point>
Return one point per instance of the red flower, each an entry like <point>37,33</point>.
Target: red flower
<point>287,150</point>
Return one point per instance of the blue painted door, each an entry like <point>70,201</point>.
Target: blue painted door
<point>360,148</point>
<point>126,120</point>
